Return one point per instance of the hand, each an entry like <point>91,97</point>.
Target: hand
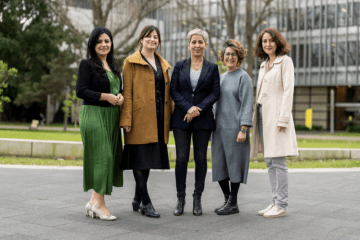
<point>241,137</point>
<point>281,129</point>
<point>260,149</point>
<point>121,99</point>
<point>194,111</point>
<point>127,128</point>
<point>188,118</point>
<point>112,99</point>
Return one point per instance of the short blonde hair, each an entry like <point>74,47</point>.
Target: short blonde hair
<point>197,31</point>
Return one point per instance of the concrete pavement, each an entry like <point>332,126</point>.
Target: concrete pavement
<point>48,203</point>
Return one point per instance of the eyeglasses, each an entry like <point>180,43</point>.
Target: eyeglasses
<point>232,54</point>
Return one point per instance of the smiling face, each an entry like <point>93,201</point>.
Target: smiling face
<point>103,46</point>
<point>197,46</point>
<point>231,58</point>
<point>269,45</point>
<point>150,41</point>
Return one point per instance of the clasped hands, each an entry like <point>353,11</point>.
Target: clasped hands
<point>193,112</point>
<point>117,100</point>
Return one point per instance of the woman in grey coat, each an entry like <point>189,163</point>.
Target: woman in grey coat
<point>230,146</point>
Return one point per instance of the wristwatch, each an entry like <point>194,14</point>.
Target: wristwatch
<point>243,130</point>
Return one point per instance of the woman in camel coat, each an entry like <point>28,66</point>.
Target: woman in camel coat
<point>146,115</point>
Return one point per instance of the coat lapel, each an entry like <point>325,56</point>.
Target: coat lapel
<point>204,70</point>
<point>187,71</point>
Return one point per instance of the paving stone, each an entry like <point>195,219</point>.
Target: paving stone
<point>18,237</point>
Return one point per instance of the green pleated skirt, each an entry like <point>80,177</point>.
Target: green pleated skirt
<point>101,136</point>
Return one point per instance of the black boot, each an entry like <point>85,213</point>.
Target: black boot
<point>136,205</point>
<point>223,205</point>
<point>149,211</point>
<point>231,207</point>
<point>197,211</point>
<point>179,209</point>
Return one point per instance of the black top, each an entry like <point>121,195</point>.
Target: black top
<point>159,94</point>
<point>90,84</point>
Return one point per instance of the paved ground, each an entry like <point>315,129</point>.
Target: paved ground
<point>300,135</point>
<point>48,203</point>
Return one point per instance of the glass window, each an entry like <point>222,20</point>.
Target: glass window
<point>357,13</point>
<point>309,14</point>
<point>341,54</point>
<point>341,15</point>
<point>331,16</point>
<point>315,54</point>
<point>351,53</point>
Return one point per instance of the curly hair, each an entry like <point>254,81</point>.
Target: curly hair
<point>236,45</point>
<point>282,46</point>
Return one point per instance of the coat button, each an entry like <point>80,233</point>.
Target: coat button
<point>264,94</point>
<point>265,80</point>
<point>165,83</point>
<point>166,102</point>
<point>192,95</point>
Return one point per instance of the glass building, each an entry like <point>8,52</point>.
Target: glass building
<point>324,39</point>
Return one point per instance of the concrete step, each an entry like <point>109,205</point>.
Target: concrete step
<point>69,150</point>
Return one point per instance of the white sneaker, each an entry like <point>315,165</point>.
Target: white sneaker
<point>275,212</point>
<point>261,212</point>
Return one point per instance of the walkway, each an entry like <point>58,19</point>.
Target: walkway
<point>48,203</point>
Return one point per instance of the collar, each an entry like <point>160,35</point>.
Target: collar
<point>137,59</point>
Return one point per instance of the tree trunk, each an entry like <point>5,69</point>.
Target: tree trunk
<point>231,28</point>
<point>249,40</point>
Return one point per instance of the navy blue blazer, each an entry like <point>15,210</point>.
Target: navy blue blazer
<point>206,93</point>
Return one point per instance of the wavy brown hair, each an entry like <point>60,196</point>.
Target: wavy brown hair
<point>236,45</point>
<point>282,46</point>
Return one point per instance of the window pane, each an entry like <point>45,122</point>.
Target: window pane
<point>341,15</point>
<point>331,16</point>
<point>341,54</point>
<point>352,53</point>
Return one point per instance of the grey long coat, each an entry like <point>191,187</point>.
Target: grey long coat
<point>232,110</point>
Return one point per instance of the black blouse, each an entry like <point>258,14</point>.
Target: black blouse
<point>159,94</point>
<point>90,85</point>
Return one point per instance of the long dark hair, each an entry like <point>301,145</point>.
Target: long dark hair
<point>146,32</point>
<point>91,53</point>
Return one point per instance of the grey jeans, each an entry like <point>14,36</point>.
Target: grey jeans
<point>278,172</point>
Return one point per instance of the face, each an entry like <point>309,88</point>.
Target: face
<point>197,45</point>
<point>150,41</point>
<point>268,44</point>
<point>230,58</point>
<point>103,45</point>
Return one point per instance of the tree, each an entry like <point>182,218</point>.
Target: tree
<point>5,74</point>
<point>30,39</point>
<point>253,19</point>
<point>72,103</point>
<point>129,14</point>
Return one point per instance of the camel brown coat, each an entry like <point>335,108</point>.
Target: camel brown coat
<point>139,108</point>
<point>276,96</point>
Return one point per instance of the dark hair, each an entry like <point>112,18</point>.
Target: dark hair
<point>146,32</point>
<point>236,45</point>
<point>282,46</point>
<point>91,53</point>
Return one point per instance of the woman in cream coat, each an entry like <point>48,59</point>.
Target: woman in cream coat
<point>274,131</point>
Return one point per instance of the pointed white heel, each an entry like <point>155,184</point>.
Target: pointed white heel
<point>88,208</point>
<point>96,212</point>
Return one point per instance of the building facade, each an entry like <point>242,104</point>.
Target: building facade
<point>324,39</point>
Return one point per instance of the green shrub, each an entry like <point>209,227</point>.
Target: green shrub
<point>353,128</point>
<point>304,128</point>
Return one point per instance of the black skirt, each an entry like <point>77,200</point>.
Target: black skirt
<point>152,155</point>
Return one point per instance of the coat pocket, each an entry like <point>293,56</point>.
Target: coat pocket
<point>137,104</point>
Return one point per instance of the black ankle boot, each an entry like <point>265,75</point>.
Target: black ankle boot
<point>179,209</point>
<point>149,211</point>
<point>223,205</point>
<point>231,207</point>
<point>136,205</point>
<point>197,211</point>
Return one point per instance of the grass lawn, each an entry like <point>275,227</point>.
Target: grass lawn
<point>253,165</point>
<point>29,123</point>
<point>75,136</point>
<point>344,134</point>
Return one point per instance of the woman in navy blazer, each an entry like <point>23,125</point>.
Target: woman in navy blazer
<point>195,87</point>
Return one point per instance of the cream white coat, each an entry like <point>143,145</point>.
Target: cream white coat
<point>276,96</point>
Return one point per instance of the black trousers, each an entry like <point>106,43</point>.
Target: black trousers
<point>200,143</point>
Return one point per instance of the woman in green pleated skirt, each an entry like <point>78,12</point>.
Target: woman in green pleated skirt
<point>99,85</point>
